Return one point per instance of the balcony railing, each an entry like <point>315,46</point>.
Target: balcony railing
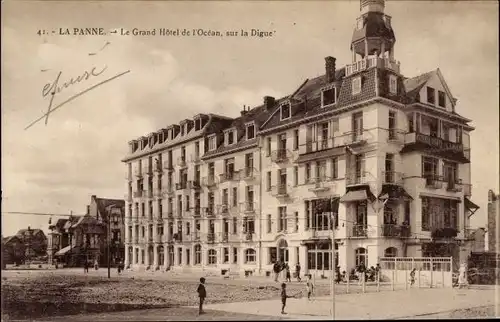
<point>158,167</point>
<point>177,237</point>
<point>225,237</point>
<point>249,173</point>
<point>395,135</point>
<point>392,177</point>
<point>354,138</point>
<point>195,158</point>
<point>181,162</point>
<point>211,237</point>
<point>454,185</point>
<point>359,231</point>
<point>318,184</point>
<point>279,156</point>
<point>138,194</point>
<point>209,181</point>
<point>279,190</point>
<point>169,189</point>
<point>319,145</point>
<point>168,165</point>
<point>229,176</point>
<point>248,206</point>
<point>393,230</point>
<point>196,211</point>
<point>371,61</point>
<point>209,211</point>
<point>223,208</point>
<point>194,184</point>
<point>435,142</point>
<point>358,178</point>
<point>181,185</point>
<point>433,181</point>
<point>248,236</point>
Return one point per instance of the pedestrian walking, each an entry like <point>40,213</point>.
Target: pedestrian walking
<point>202,294</point>
<point>309,287</point>
<point>412,276</point>
<point>284,296</point>
<point>276,270</point>
<point>297,272</point>
<point>119,267</point>
<point>338,277</point>
<point>287,273</point>
<point>85,266</point>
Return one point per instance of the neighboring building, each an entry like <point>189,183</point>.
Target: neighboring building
<point>34,241</point>
<point>493,222</point>
<point>388,154</point>
<point>13,250</point>
<point>477,237</point>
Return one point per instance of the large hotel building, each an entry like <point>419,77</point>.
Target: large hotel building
<point>387,155</point>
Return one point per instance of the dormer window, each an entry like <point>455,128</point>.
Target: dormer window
<point>182,130</point>
<point>197,124</point>
<point>250,131</point>
<point>393,84</point>
<point>356,85</point>
<point>285,111</point>
<point>212,143</point>
<point>230,137</point>
<point>328,96</point>
<point>186,129</point>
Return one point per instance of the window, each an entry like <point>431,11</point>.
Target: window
<point>393,84</point>
<point>296,139</point>
<point>268,146</point>
<point>441,99</point>
<point>328,96</point>
<point>250,256</point>
<point>268,180</point>
<point>320,170</point>
<point>285,111</point>
<point>197,149</point>
<point>197,254</point>
<point>335,125</point>
<point>356,85</point>
<point>429,167</point>
<point>235,225</point>
<point>225,197</point>
<point>188,229</point>
<point>282,224</point>
<point>295,175</point>
<point>235,197</point>
<point>212,257</point>
<point>179,256</point>
<point>250,131</point>
<point>425,214</point>
<point>226,255</point>
<point>392,125</point>
<point>361,256</point>
<point>269,224</point>
<point>296,215</point>
<point>308,172</point>
<point>431,95</point>
<point>230,137</point>
<point>235,255</point>
<point>335,168</point>
<point>212,143</point>
<point>391,252</point>
<point>188,257</point>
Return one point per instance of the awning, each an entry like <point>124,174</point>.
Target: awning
<point>469,205</point>
<point>390,191</point>
<point>356,195</point>
<point>63,251</point>
<point>321,154</point>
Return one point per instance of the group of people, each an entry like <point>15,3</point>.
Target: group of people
<point>87,264</point>
<point>279,266</point>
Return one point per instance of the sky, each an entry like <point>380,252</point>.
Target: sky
<point>56,167</point>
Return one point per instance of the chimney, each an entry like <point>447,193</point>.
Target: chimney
<point>88,209</point>
<point>330,68</point>
<point>244,110</point>
<point>269,102</point>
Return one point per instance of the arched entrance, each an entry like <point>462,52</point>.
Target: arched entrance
<point>283,250</point>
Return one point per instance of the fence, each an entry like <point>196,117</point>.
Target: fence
<point>430,271</point>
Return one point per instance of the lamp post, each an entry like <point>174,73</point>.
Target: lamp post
<point>332,282</point>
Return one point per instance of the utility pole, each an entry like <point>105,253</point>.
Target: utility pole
<point>332,282</point>
<point>70,236</point>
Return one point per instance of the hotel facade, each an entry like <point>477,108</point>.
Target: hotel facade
<point>377,160</point>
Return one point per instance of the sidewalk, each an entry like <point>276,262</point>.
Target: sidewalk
<point>386,305</point>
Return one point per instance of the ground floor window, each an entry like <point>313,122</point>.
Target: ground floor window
<point>361,256</point>
<point>171,255</point>
<point>212,257</point>
<point>391,252</point>
<point>142,256</point>
<point>179,256</point>
<point>319,256</point>
<point>197,254</point>
<point>161,255</point>
<point>250,256</point>
<point>235,255</point>
<point>136,256</point>
<point>188,256</point>
<point>226,255</point>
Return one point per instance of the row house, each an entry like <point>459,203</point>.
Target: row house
<point>379,161</point>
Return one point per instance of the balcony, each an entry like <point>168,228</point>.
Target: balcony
<point>138,194</point>
<point>138,172</point>
<point>436,146</point>
<point>181,162</point>
<point>196,211</point>
<point>279,156</point>
<point>225,237</point>
<point>158,167</point>
<point>279,191</point>
<point>223,209</point>
<point>392,177</point>
<point>354,138</point>
<point>248,237</point>
<point>168,165</point>
<point>395,136</point>
<point>195,158</point>
<point>177,237</point>
<point>209,211</point>
<point>249,173</point>
<point>248,207</point>
<point>229,176</point>
<point>181,185</point>
<point>392,230</point>
<point>372,61</point>
<point>209,182</point>
<point>195,184</point>
<point>433,181</point>
<point>360,231</point>
<point>318,184</point>
<point>357,179</point>
<point>211,238</point>
<point>454,185</point>
<point>320,145</point>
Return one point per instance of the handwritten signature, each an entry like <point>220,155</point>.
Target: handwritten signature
<point>53,89</point>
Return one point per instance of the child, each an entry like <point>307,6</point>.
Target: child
<point>309,287</point>
<point>412,276</point>
<point>284,296</point>
<point>202,294</point>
